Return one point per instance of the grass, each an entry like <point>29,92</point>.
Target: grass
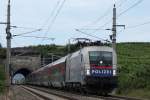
<point>138,93</point>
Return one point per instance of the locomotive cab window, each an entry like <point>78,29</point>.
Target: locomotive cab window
<point>100,58</point>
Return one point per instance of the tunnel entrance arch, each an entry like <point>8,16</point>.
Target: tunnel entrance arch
<point>23,71</point>
<point>20,75</point>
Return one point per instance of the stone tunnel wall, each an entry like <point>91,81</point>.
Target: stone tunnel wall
<point>29,62</point>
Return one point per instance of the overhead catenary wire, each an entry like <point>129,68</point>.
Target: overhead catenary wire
<point>99,18</point>
<point>15,42</point>
<point>91,35</point>
<point>92,29</point>
<point>138,2</point>
<point>24,27</point>
<point>35,30</point>
<point>138,25</point>
<point>99,28</point>
<point>54,18</point>
<point>135,26</point>
<point>121,3</point>
<point>108,11</point>
<point>39,37</point>
<point>51,14</point>
<point>134,5</point>
<point>27,32</point>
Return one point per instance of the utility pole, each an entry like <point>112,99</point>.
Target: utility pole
<point>8,37</point>
<point>52,58</point>
<point>114,29</point>
<point>69,46</point>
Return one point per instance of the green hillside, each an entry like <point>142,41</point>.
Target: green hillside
<point>134,69</point>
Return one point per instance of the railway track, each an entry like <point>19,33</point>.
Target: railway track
<point>65,95</point>
<point>42,95</point>
<point>114,97</point>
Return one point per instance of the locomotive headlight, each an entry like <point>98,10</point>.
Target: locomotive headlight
<point>87,72</point>
<point>114,72</point>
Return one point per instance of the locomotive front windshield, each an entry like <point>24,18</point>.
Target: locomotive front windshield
<point>100,58</point>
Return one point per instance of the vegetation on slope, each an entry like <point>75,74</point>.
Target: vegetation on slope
<point>2,79</point>
<point>2,74</point>
<point>134,68</point>
<point>2,53</point>
<point>58,50</point>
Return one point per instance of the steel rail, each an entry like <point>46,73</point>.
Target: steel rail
<point>52,93</point>
<point>71,97</point>
<point>41,96</point>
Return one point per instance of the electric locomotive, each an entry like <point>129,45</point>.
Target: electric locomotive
<point>92,68</point>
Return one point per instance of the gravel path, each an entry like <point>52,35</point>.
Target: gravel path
<point>2,97</point>
<point>18,93</point>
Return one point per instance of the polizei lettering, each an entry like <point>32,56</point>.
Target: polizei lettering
<point>102,72</point>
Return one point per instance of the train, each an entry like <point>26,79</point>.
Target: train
<point>91,68</point>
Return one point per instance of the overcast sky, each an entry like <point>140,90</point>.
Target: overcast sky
<point>36,14</point>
